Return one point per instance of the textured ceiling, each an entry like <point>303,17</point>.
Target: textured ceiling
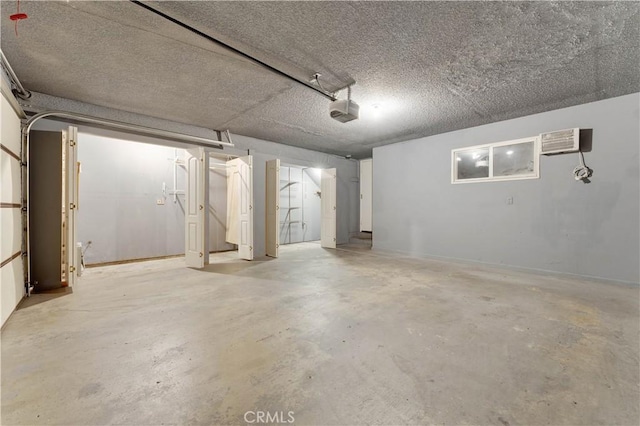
<point>432,67</point>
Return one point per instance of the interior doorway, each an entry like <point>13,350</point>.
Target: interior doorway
<point>300,196</point>
<point>208,175</point>
<point>134,203</point>
<point>53,205</point>
<point>300,205</point>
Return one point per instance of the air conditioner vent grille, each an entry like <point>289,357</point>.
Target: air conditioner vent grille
<point>560,141</point>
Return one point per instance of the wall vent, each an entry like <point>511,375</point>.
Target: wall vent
<point>560,141</point>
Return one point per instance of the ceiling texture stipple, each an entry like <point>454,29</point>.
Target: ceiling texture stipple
<point>432,67</point>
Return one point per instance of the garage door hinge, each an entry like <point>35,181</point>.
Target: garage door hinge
<point>72,206</point>
<point>72,268</point>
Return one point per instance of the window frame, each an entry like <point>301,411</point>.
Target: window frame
<point>491,178</point>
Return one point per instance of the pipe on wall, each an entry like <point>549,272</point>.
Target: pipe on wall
<point>109,124</point>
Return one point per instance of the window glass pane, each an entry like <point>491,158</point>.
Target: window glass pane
<point>472,163</point>
<point>510,160</point>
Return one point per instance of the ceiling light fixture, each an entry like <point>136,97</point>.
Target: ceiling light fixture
<point>376,110</point>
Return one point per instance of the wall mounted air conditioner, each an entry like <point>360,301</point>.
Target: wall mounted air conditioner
<point>560,141</point>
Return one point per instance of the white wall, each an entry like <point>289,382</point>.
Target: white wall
<point>299,204</point>
<point>311,207</point>
<point>11,274</point>
<point>120,185</point>
<point>554,223</point>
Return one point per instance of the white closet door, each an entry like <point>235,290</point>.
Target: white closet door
<point>328,206</point>
<point>272,206</point>
<point>233,202</point>
<point>366,192</point>
<point>196,218</point>
<point>71,204</point>
<point>240,186</point>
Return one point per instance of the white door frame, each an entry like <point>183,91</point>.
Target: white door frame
<point>328,202</point>
<point>240,205</point>
<point>196,216</point>
<point>71,261</point>
<point>366,193</point>
<point>272,201</point>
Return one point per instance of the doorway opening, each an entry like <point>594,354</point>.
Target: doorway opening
<point>128,205</point>
<point>232,223</point>
<point>52,209</point>
<point>300,210</point>
<point>300,205</point>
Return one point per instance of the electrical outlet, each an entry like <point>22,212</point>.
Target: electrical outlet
<point>509,200</point>
<point>160,201</point>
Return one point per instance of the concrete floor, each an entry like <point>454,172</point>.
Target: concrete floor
<point>337,336</point>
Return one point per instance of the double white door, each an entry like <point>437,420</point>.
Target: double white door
<point>239,207</point>
<point>327,202</point>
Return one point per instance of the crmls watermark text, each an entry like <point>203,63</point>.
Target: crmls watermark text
<point>269,417</point>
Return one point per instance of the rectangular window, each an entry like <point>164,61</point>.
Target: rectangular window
<point>509,160</point>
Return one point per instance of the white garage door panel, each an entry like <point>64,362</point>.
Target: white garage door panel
<point>11,232</point>
<point>11,278</point>
<point>12,287</point>
<point>10,178</point>
<point>10,129</point>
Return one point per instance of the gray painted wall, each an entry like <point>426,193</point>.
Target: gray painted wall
<point>120,184</point>
<point>555,223</point>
